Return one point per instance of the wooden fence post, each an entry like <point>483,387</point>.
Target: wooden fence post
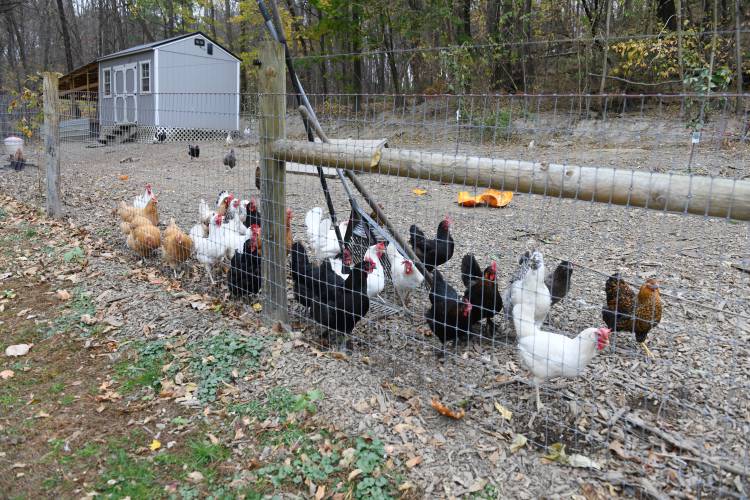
<point>52,144</point>
<point>272,86</point>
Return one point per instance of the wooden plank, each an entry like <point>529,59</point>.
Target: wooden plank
<point>701,195</point>
<point>272,88</point>
<point>52,144</point>
<point>301,168</point>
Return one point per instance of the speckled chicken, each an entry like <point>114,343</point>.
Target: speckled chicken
<point>627,312</point>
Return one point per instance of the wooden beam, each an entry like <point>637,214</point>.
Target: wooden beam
<point>716,197</point>
<point>272,89</point>
<point>52,144</point>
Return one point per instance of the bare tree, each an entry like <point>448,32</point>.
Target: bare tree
<point>65,35</point>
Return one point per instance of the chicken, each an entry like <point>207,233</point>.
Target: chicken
<point>404,274</point>
<point>142,200</point>
<point>558,281</point>
<point>320,234</point>
<point>223,201</point>
<point>342,265</point>
<point>481,289</point>
<point>547,355</point>
<point>375,279</point>
<point>194,151</point>
<point>177,246</point>
<point>528,289</point>
<point>449,316</point>
<point>244,276</point>
<point>230,160</point>
<point>160,137</point>
<point>288,230</point>
<point>234,218</point>
<point>229,141</point>
<point>144,240</point>
<point>138,220</point>
<point>626,312</point>
<point>257,177</point>
<point>127,213</point>
<point>209,250</point>
<point>247,133</point>
<point>434,252</point>
<point>253,214</point>
<point>231,237</point>
<point>342,310</point>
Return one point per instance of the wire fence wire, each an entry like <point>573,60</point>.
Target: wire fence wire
<point>694,389</point>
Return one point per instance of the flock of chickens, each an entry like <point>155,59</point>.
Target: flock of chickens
<point>335,291</point>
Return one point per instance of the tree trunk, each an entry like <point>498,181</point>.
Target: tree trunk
<point>678,13</point>
<point>603,82</point>
<point>11,55</point>
<point>357,61</point>
<point>19,43</point>
<point>228,26</point>
<point>465,17</point>
<point>77,47</point>
<point>494,8</point>
<point>738,53</point>
<point>65,35</point>
<point>666,11</point>
<point>118,25</point>
<point>212,17</point>
<point>528,60</point>
<point>170,18</point>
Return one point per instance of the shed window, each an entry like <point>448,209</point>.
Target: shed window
<point>210,49</point>
<point>145,77</point>
<point>107,75</point>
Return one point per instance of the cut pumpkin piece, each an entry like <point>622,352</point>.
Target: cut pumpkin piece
<point>495,198</point>
<point>467,200</point>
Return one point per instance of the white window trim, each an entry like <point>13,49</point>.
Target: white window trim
<point>104,82</point>
<point>150,77</point>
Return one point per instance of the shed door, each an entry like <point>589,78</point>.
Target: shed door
<point>125,85</point>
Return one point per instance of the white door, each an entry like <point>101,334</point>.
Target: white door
<point>125,85</point>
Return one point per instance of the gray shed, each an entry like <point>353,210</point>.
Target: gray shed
<point>185,82</point>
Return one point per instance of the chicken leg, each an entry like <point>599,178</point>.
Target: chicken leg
<point>647,350</point>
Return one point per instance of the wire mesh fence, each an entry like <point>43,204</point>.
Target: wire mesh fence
<point>449,337</point>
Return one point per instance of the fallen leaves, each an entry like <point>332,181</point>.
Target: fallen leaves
<point>413,462</point>
<point>6,374</point>
<point>155,445</point>
<point>195,477</point>
<point>447,412</point>
<point>419,191</point>
<point>503,411</point>
<point>63,295</point>
<point>519,441</point>
<point>556,453</point>
<point>124,177</point>
<point>18,350</point>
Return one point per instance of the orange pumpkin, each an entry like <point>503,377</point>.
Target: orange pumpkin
<point>467,200</point>
<point>495,198</point>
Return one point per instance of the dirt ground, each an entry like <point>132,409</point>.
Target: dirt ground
<point>672,426</point>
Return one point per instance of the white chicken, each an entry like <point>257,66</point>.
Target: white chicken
<point>527,288</point>
<point>230,237</point>
<point>547,355</point>
<point>142,200</point>
<point>235,217</point>
<point>406,277</point>
<point>209,250</point>
<point>376,279</point>
<point>320,234</point>
<point>229,140</point>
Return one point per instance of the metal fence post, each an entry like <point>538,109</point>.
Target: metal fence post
<point>52,144</point>
<point>272,86</point>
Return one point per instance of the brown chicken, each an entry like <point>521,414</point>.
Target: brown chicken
<point>627,312</point>
<point>138,220</point>
<point>144,240</point>
<point>178,246</point>
<point>289,236</point>
<point>127,212</point>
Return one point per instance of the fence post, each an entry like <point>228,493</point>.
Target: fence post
<point>52,144</point>
<point>272,86</point>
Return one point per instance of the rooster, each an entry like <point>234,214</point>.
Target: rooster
<point>144,240</point>
<point>194,151</point>
<point>234,216</point>
<point>404,274</point>
<point>558,281</point>
<point>253,214</point>
<point>142,200</point>
<point>223,201</point>
<point>320,234</point>
<point>547,355</point>
<point>449,316</point>
<point>150,211</point>
<point>528,289</point>
<point>481,288</point>
<point>178,246</point>
<point>211,249</point>
<point>244,276</point>
<point>230,160</point>
<point>434,252</point>
<point>626,312</point>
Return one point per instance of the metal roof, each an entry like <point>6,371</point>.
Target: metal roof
<point>152,45</point>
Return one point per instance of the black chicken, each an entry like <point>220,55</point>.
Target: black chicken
<point>312,282</point>
<point>449,316</point>
<point>481,288</point>
<point>194,151</point>
<point>244,277</point>
<point>558,281</point>
<point>253,213</point>
<point>230,160</point>
<point>257,177</point>
<point>435,252</point>
<point>160,136</point>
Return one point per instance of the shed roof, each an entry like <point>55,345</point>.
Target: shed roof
<point>152,45</point>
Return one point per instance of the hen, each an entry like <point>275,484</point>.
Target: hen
<point>434,252</point>
<point>558,281</point>
<point>209,250</point>
<point>449,316</point>
<point>194,151</point>
<point>257,177</point>
<point>144,240</point>
<point>404,274</point>
<point>321,235</point>
<point>127,213</point>
<point>310,281</point>
<point>376,278</point>
<point>527,288</point>
<point>244,276</point>
<point>138,220</point>
<point>547,355</point>
<point>178,246</point>
<point>230,160</point>
<point>142,200</point>
<point>253,215</point>
<point>481,288</point>
<point>627,312</point>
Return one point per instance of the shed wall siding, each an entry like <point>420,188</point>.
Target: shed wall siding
<point>146,115</point>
